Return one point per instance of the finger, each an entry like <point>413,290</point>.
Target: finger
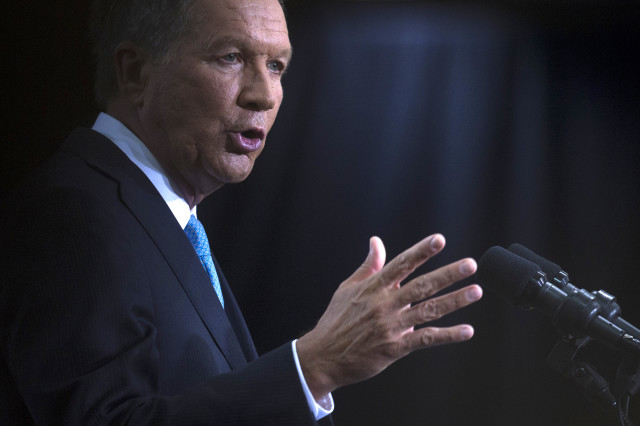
<point>429,284</point>
<point>373,263</point>
<point>436,308</point>
<point>434,336</point>
<point>407,262</point>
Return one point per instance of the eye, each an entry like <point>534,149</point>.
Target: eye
<point>277,67</point>
<point>231,58</point>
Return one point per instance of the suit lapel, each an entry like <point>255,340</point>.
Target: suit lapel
<point>235,317</point>
<point>144,202</point>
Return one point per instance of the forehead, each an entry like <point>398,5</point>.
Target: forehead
<point>259,21</point>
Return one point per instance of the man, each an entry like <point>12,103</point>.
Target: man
<point>109,315</point>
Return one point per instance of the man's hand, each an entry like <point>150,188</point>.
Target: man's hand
<point>370,320</point>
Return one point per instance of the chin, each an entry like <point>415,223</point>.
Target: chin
<point>232,169</point>
<point>231,176</point>
<point>239,178</point>
<point>238,170</point>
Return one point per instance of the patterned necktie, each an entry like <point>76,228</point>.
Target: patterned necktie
<point>197,236</point>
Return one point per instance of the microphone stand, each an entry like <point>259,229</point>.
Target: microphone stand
<point>562,359</point>
<point>627,383</point>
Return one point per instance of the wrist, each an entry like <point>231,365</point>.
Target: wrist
<point>314,369</point>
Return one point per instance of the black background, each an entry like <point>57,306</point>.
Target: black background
<point>490,122</point>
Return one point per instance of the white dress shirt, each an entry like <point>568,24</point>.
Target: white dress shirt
<point>138,152</point>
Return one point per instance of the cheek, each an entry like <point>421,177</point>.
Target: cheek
<point>199,95</point>
<point>273,113</point>
<point>217,92</point>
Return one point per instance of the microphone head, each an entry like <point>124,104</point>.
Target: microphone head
<point>508,275</point>
<point>551,269</point>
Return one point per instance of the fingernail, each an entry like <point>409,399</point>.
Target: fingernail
<point>437,242</point>
<point>467,267</point>
<point>473,294</point>
<point>466,332</point>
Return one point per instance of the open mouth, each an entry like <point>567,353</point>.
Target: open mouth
<point>252,134</point>
<point>249,140</point>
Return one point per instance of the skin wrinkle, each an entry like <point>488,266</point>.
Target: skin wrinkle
<point>382,323</point>
<point>250,18</point>
<point>430,311</point>
<point>194,103</point>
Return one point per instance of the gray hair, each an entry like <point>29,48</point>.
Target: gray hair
<point>154,25</point>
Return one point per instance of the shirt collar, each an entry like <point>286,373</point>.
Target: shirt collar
<point>138,152</point>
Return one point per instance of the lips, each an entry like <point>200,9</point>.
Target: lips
<point>249,140</point>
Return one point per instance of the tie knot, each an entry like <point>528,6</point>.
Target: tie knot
<point>197,236</point>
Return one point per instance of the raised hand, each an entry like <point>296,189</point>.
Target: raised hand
<point>370,321</point>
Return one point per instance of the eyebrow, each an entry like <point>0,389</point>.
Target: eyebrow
<point>211,42</point>
<point>289,53</point>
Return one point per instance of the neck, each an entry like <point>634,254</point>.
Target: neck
<point>129,117</point>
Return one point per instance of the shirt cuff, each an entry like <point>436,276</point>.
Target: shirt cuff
<point>319,411</point>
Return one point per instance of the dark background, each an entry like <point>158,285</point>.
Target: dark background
<point>490,122</point>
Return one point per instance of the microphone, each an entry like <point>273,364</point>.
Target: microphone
<point>560,278</point>
<point>522,282</point>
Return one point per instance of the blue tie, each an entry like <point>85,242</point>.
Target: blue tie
<point>197,236</point>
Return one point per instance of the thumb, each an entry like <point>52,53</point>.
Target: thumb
<point>373,263</point>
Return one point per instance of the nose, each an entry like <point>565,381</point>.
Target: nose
<point>260,90</point>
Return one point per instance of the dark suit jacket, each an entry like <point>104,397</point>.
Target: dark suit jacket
<point>108,317</point>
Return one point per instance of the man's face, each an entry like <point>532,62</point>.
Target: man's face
<point>206,113</point>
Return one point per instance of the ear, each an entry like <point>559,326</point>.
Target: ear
<point>132,65</point>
